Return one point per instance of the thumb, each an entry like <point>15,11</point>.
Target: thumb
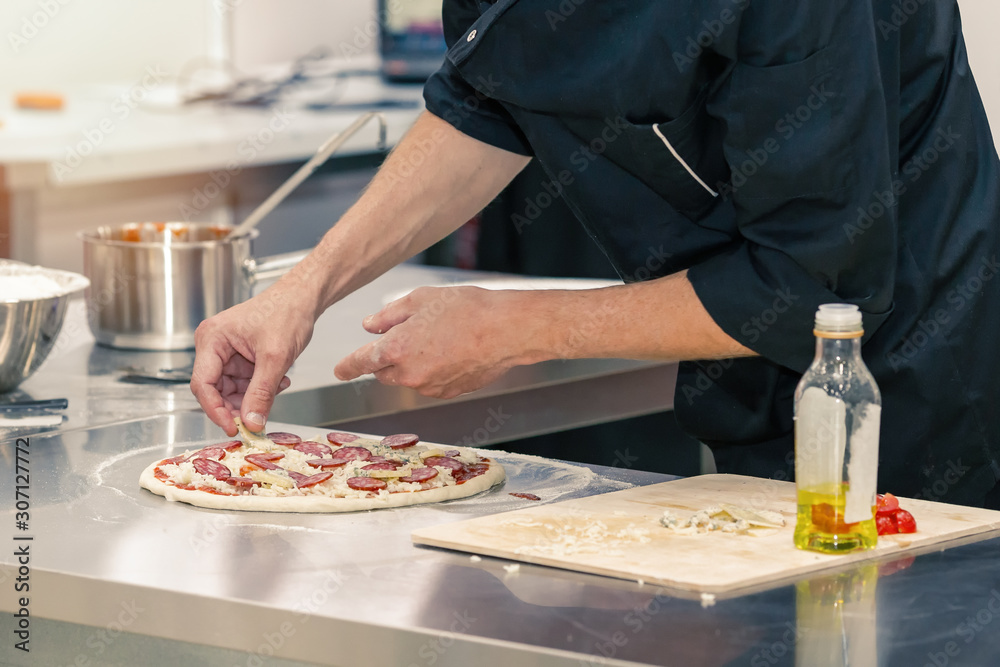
<point>259,397</point>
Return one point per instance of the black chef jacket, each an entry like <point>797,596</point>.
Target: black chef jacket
<point>787,155</point>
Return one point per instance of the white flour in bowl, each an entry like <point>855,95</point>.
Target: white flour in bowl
<point>28,287</point>
<point>24,282</point>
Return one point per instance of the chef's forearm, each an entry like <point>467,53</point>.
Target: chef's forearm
<point>434,181</point>
<point>660,319</point>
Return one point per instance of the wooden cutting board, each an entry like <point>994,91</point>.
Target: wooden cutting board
<point>618,535</point>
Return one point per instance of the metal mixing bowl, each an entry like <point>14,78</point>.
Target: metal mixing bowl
<point>29,327</point>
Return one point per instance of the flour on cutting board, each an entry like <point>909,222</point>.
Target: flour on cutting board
<point>577,533</point>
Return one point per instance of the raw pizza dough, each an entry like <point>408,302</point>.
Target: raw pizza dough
<point>269,494</point>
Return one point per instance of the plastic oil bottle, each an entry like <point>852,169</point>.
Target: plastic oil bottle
<point>837,415</point>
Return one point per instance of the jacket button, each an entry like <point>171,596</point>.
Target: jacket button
<point>472,36</point>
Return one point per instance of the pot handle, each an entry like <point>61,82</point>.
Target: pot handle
<point>273,266</point>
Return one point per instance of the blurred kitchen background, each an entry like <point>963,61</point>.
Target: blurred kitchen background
<point>93,132</point>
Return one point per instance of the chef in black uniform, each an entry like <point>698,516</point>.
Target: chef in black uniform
<point>740,163</point>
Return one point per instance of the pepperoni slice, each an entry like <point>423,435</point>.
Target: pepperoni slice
<point>366,483</point>
<point>315,448</point>
<point>313,480</point>
<point>282,438</point>
<point>213,468</point>
<point>452,452</point>
<point>420,475</point>
<point>216,453</point>
<point>305,481</point>
<point>444,462</point>
<point>474,470</point>
<point>231,445</point>
<point>382,465</point>
<point>400,440</point>
<point>174,459</point>
<point>526,496</point>
<point>340,438</point>
<point>345,454</point>
<point>242,482</point>
<point>263,459</point>
<point>325,463</point>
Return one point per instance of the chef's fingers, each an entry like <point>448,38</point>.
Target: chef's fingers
<point>269,371</point>
<point>238,366</point>
<point>205,377</point>
<point>364,360</point>
<point>398,311</point>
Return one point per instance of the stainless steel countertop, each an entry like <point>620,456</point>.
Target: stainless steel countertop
<point>536,399</point>
<point>121,577</point>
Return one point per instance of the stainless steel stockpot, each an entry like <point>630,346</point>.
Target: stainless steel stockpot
<point>152,283</point>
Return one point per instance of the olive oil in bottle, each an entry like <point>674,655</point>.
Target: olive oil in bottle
<point>837,416</point>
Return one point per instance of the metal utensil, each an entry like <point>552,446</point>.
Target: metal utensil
<point>33,406</point>
<point>152,294</point>
<point>324,152</point>
<point>153,283</point>
<point>163,375</point>
<point>29,327</point>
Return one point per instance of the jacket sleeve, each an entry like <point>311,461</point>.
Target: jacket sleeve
<point>810,150</point>
<point>450,97</point>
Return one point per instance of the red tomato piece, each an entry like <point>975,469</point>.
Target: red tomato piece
<point>905,522</point>
<point>886,504</point>
<point>886,524</point>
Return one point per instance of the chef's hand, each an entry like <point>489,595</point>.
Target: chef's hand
<point>243,353</point>
<point>441,341</point>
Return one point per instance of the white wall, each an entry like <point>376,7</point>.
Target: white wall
<point>49,44</point>
<point>980,19</point>
<point>268,31</point>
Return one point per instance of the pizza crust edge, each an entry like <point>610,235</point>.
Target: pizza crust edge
<point>303,504</point>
